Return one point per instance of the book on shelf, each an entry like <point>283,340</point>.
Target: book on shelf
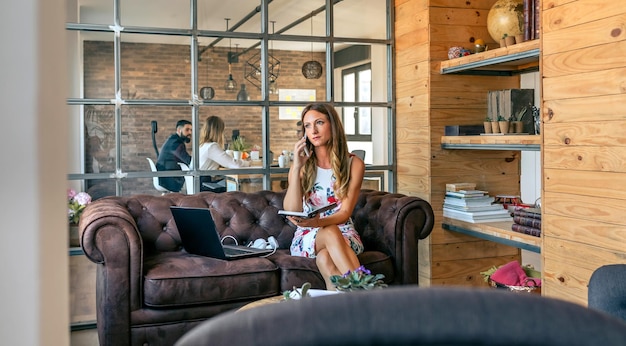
<point>536,19</point>
<point>469,202</point>
<point>477,217</point>
<point>526,230</point>
<point>527,221</point>
<point>473,208</point>
<point>460,186</point>
<point>528,12</point>
<point>535,213</point>
<point>466,193</point>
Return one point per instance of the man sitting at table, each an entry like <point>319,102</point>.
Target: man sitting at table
<point>173,151</point>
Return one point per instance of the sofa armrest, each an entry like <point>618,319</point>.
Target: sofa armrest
<point>393,224</point>
<point>109,237</point>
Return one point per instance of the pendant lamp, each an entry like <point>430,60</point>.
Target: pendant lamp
<point>312,69</point>
<point>230,85</point>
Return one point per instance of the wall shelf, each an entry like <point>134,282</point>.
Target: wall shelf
<point>499,232</point>
<point>508,61</point>
<point>504,142</point>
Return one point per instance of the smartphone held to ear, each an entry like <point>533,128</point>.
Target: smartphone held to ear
<point>306,148</point>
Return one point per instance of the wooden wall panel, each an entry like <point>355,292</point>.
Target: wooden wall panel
<point>413,129</point>
<point>592,34</point>
<point>605,159</point>
<point>474,4</point>
<point>412,185</point>
<point>474,249</point>
<point>588,133</point>
<point>586,109</point>
<point>605,82</point>
<point>575,13</point>
<point>413,159</point>
<point>465,272</point>
<point>583,60</point>
<point>569,265</point>
<point>547,4</point>
<point>82,289</point>
<point>593,208</point>
<point>611,236</point>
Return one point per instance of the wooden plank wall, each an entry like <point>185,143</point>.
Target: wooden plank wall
<point>584,146</point>
<point>412,104</point>
<point>427,101</point>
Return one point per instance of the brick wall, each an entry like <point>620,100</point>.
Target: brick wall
<point>158,71</point>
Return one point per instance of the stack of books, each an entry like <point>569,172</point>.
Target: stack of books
<point>527,221</point>
<point>473,206</point>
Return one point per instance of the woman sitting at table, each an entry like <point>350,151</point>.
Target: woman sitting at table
<point>212,154</point>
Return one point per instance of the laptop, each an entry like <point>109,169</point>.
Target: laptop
<point>199,236</point>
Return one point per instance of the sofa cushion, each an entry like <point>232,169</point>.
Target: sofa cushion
<point>175,279</point>
<point>298,270</point>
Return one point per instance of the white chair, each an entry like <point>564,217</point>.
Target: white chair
<point>359,153</point>
<point>188,178</point>
<point>155,180</point>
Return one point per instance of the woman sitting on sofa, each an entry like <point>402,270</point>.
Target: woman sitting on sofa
<point>212,154</point>
<point>323,171</point>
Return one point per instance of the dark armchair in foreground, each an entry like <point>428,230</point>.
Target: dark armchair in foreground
<point>407,315</point>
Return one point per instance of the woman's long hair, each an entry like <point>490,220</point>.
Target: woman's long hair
<point>337,149</point>
<point>212,131</point>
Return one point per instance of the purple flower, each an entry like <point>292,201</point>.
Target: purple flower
<point>359,270</point>
<point>70,194</point>
<point>82,198</point>
<point>76,203</point>
<point>363,270</point>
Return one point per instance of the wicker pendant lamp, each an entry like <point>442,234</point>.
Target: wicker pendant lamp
<point>312,69</point>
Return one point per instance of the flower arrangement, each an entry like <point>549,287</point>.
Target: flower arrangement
<point>76,203</point>
<point>359,279</point>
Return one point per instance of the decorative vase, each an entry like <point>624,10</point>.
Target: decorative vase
<point>504,126</point>
<point>487,125</point>
<point>74,238</point>
<point>509,40</point>
<point>237,155</point>
<point>495,127</point>
<point>518,126</point>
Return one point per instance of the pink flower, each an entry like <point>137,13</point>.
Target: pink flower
<point>82,198</point>
<point>76,203</point>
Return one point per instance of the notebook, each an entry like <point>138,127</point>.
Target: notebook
<point>199,236</point>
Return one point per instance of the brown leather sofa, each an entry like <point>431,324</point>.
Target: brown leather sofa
<point>150,291</point>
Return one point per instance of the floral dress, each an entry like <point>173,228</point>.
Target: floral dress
<point>322,193</point>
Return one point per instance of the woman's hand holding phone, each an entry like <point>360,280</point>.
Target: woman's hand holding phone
<point>306,149</point>
<point>301,153</point>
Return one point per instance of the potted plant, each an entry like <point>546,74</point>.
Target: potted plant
<point>487,124</point>
<point>360,279</point>
<point>76,204</point>
<point>238,146</point>
<point>516,120</point>
<point>503,124</point>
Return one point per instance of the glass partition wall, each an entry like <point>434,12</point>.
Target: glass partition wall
<point>139,66</point>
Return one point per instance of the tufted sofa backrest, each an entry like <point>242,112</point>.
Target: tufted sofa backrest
<point>249,216</point>
<point>244,216</point>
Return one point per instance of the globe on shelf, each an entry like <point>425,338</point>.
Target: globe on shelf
<point>506,17</point>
